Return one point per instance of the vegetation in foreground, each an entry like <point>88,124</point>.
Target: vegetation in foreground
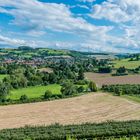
<point>101,131</point>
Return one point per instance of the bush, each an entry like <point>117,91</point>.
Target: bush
<point>24,98</point>
<point>48,94</point>
<point>118,91</point>
<point>92,86</point>
<point>80,89</point>
<point>68,89</point>
<point>105,69</point>
<point>82,82</point>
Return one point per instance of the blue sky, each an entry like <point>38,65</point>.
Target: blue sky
<point>100,25</point>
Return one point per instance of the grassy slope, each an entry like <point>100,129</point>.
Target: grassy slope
<point>125,62</point>
<point>34,92</point>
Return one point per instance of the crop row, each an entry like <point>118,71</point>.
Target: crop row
<point>105,130</point>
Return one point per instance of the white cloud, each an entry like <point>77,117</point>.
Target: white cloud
<point>117,10</point>
<point>14,42</point>
<point>6,40</point>
<point>37,18</point>
<point>41,16</point>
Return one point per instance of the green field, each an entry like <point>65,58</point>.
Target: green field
<point>34,92</point>
<point>126,63</point>
<point>2,76</point>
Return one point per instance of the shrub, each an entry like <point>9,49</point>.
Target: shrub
<point>24,98</point>
<point>68,89</point>
<point>92,86</point>
<point>105,69</point>
<point>80,89</point>
<point>48,94</point>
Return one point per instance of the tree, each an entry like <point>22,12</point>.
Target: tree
<point>52,78</point>
<point>121,70</point>
<point>81,74</point>
<point>4,90</point>
<point>105,69</point>
<point>68,89</point>
<point>92,86</point>
<point>48,94</point>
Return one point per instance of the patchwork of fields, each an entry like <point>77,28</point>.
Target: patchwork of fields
<point>87,108</point>
<point>107,79</point>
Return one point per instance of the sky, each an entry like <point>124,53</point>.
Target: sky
<point>83,25</point>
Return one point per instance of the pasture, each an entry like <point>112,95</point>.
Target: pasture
<point>34,92</point>
<point>126,63</point>
<point>92,107</point>
<point>107,79</point>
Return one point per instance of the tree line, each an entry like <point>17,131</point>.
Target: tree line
<point>125,89</point>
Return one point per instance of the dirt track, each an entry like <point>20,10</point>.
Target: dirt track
<point>102,79</point>
<point>87,108</point>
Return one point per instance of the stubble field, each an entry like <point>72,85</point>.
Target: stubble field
<point>107,79</point>
<point>87,108</point>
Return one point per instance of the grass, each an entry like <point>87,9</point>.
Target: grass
<point>126,63</point>
<point>34,92</point>
<point>133,98</point>
<point>2,76</point>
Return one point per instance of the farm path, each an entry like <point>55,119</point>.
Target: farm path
<point>87,108</point>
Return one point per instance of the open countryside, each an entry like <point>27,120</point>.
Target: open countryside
<point>69,69</point>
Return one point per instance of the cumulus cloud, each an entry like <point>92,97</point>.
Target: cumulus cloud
<point>14,42</point>
<point>117,10</point>
<point>40,16</point>
<point>37,18</point>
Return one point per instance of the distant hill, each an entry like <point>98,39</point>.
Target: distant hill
<point>29,52</point>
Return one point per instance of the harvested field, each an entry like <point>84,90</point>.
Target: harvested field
<point>87,108</point>
<point>107,79</point>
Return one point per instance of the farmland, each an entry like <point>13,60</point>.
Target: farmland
<point>92,107</point>
<point>67,88</point>
<point>127,130</point>
<point>107,79</point>
<point>34,92</point>
<point>126,63</point>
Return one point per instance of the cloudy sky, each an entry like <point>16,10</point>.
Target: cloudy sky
<point>95,25</point>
